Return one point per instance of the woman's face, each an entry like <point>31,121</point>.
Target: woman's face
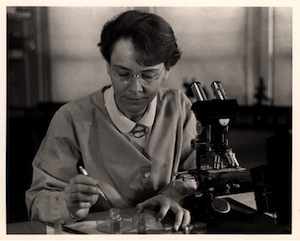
<point>133,93</point>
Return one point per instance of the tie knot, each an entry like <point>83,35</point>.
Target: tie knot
<point>139,130</point>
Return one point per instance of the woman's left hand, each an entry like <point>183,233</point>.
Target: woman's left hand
<point>166,203</point>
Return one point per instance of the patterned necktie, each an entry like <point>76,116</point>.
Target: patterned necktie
<point>139,131</point>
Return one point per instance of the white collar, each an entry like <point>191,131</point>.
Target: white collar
<point>124,124</point>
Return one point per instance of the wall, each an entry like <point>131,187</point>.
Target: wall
<point>283,56</point>
<point>213,46</point>
<point>77,68</point>
<point>219,43</point>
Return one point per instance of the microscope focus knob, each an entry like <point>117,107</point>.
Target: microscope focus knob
<point>236,185</point>
<point>220,205</point>
<point>199,127</point>
<point>195,143</point>
<point>211,189</point>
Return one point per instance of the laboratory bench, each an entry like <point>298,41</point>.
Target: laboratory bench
<point>242,219</point>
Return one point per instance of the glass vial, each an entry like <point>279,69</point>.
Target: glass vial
<point>139,223</point>
<point>114,221</point>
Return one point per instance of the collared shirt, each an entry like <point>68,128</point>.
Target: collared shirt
<point>124,124</point>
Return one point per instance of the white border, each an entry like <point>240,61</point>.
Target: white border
<point>296,163</point>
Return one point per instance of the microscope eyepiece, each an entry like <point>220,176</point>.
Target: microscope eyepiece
<point>218,90</point>
<point>198,91</point>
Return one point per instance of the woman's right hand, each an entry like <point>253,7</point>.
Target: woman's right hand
<point>80,195</point>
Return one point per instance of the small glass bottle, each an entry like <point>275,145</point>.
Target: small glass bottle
<point>114,221</point>
<point>138,223</point>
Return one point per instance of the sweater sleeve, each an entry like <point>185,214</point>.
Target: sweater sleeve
<point>178,189</point>
<point>53,166</point>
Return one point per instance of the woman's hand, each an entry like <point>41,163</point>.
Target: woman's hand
<point>80,195</point>
<point>166,203</point>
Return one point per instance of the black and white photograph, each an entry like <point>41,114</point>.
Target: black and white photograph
<point>133,120</point>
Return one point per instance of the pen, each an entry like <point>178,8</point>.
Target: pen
<point>84,172</point>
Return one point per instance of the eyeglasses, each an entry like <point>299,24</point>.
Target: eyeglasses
<point>126,76</point>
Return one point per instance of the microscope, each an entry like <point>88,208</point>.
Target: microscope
<point>217,168</point>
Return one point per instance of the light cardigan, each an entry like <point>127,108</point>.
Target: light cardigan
<point>82,130</point>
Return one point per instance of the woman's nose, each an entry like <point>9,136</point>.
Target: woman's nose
<point>136,85</point>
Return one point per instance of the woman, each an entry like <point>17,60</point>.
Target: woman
<point>131,137</point>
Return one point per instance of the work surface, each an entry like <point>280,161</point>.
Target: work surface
<point>235,222</point>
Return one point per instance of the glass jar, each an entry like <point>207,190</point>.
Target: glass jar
<point>114,221</point>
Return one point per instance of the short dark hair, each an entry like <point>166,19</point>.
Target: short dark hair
<point>152,36</point>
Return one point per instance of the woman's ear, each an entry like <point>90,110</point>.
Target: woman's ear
<point>166,76</point>
<point>108,69</point>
